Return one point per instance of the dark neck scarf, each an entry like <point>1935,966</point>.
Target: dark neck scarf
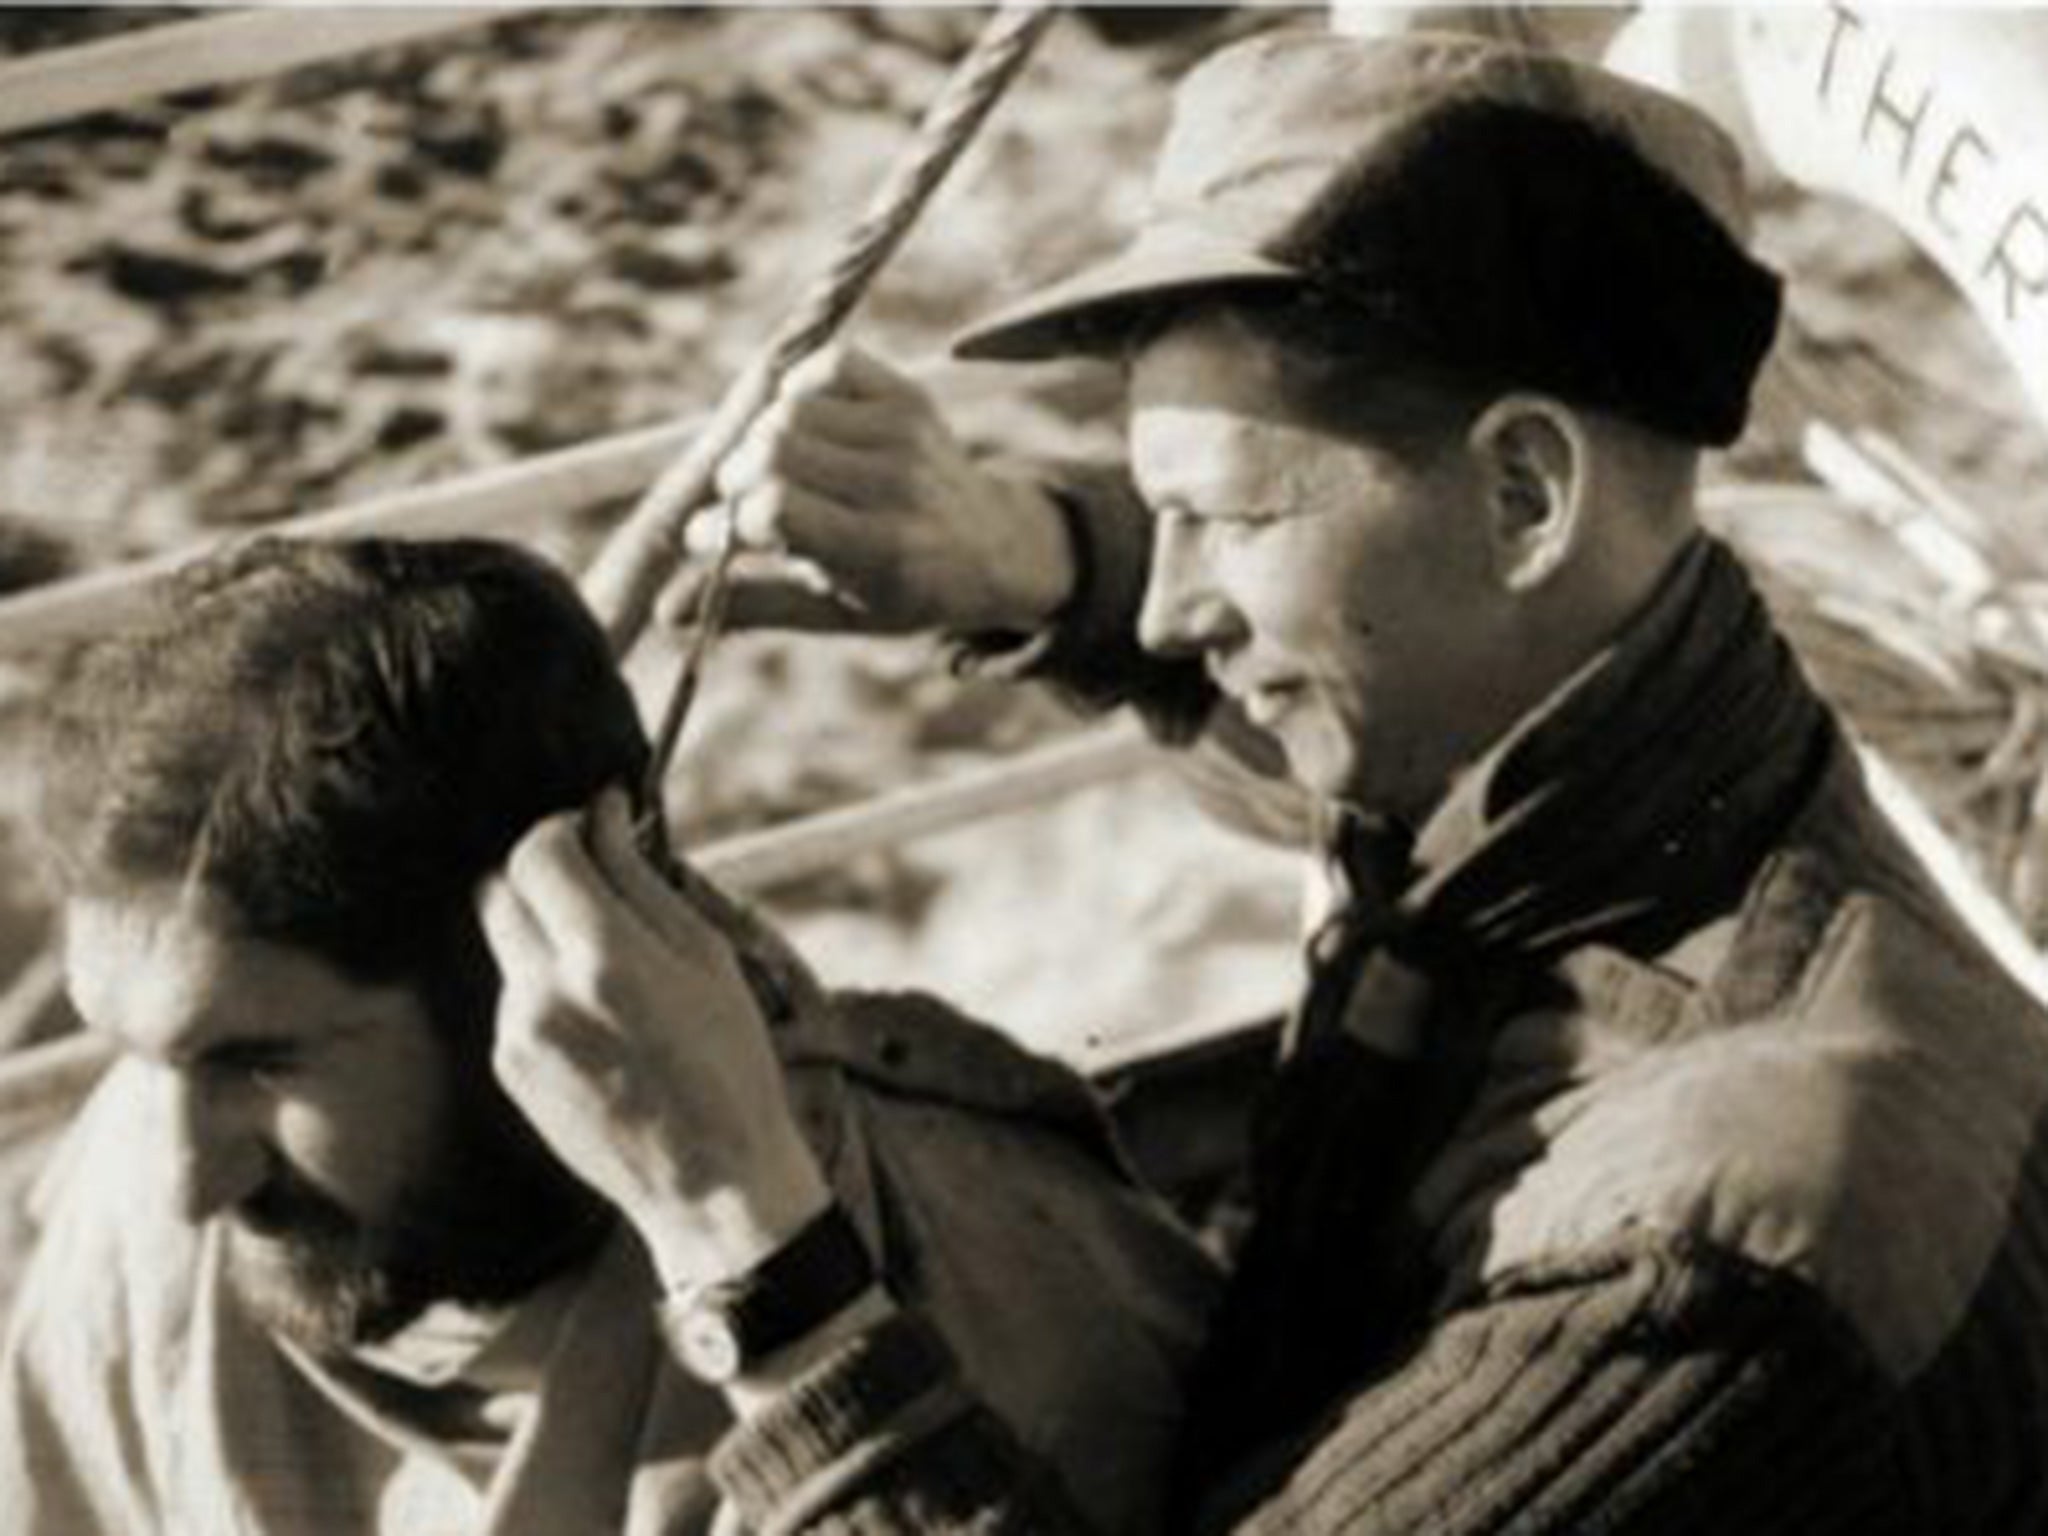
<point>1634,802</point>
<point>1627,809</point>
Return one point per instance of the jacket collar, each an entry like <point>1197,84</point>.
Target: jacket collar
<point>1631,805</point>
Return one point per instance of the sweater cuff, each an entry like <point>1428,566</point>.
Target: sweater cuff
<point>850,1416</point>
<point>1089,648</point>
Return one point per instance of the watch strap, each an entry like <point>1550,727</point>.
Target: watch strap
<point>723,1327</point>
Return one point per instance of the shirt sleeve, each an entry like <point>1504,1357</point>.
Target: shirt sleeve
<point>79,1443</point>
<point>1650,1393</point>
<point>1090,655</point>
<point>882,1437</point>
<point>1653,1391</point>
<point>1089,651</point>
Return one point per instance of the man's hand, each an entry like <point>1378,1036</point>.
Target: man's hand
<point>629,1039</point>
<point>853,471</point>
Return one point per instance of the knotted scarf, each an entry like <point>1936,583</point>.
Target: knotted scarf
<point>1630,807</point>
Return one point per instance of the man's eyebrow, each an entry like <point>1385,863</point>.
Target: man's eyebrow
<point>1221,509</point>
<point>231,1047</point>
<point>274,1039</point>
<point>227,1041</point>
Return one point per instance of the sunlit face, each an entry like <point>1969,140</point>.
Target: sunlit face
<point>361,1171</point>
<point>1340,591</point>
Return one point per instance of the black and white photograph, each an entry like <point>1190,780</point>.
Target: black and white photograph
<point>781,769</point>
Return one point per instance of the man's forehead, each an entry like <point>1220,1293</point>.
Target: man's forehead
<point>1218,361</point>
<point>1210,351</point>
<point>164,969</point>
<point>1177,446</point>
<point>152,942</point>
<point>1208,409</point>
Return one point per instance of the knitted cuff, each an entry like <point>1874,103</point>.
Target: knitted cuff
<point>851,1415</point>
<point>1089,649</point>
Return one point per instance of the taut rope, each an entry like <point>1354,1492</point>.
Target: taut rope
<point>629,571</point>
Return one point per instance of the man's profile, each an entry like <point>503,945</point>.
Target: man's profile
<point>1652,1148</point>
<point>309,1268</point>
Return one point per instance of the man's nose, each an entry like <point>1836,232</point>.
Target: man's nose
<point>1184,610</point>
<point>216,1156</point>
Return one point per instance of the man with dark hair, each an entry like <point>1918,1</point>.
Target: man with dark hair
<point>308,1268</point>
<point>1653,1149</point>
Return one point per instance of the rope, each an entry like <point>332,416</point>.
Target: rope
<point>504,496</point>
<point>629,571</point>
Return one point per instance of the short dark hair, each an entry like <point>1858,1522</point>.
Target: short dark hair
<point>336,739</point>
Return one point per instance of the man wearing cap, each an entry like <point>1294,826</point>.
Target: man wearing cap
<point>1653,1148</point>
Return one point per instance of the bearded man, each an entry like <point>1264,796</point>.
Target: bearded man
<point>308,1269</point>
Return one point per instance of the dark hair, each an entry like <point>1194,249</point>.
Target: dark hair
<point>337,740</point>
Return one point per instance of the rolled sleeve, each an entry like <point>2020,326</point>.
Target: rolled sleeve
<point>881,1438</point>
<point>1650,1393</point>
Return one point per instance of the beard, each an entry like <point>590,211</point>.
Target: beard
<point>490,1217</point>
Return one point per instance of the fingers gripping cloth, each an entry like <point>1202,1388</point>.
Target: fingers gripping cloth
<point>783,985</point>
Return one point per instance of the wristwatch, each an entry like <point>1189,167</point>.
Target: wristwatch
<point>720,1329</point>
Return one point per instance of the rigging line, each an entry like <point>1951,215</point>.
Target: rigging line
<point>629,571</point>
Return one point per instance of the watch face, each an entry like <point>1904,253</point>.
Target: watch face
<point>709,1344</point>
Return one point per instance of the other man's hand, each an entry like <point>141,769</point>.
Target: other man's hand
<point>854,472</point>
<point>628,1037</point>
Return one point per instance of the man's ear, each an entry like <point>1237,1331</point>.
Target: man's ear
<point>1533,458</point>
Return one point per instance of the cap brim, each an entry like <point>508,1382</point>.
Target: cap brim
<point>1093,313</point>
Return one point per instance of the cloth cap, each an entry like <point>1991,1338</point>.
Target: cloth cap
<point>1520,219</point>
